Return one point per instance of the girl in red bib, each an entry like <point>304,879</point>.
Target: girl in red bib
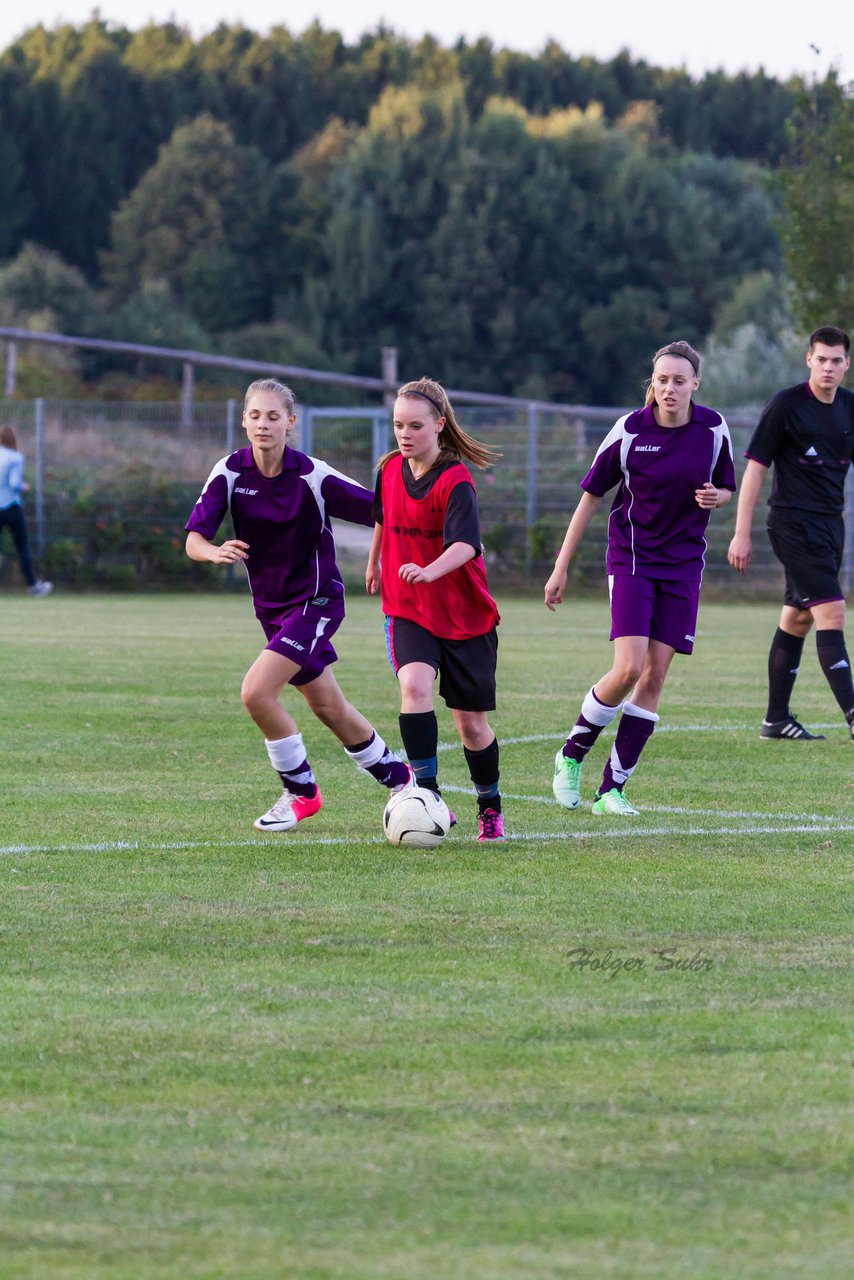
<point>440,617</point>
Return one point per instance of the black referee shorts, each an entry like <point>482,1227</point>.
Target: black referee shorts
<point>810,548</point>
<point>466,667</point>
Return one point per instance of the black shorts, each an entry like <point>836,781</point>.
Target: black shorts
<point>466,667</point>
<point>810,548</point>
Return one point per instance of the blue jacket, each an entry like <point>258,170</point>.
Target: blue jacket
<point>11,477</point>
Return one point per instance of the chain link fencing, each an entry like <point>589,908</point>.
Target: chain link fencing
<point>112,484</point>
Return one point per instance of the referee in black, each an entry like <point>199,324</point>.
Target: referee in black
<point>807,432</point>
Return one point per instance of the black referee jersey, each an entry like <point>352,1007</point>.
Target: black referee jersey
<point>811,446</point>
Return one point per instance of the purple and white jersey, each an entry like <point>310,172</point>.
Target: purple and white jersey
<point>285,519</point>
<point>656,529</point>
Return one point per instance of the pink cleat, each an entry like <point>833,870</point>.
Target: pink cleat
<point>490,827</point>
<point>288,811</point>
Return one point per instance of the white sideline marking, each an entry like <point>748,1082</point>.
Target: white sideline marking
<point>601,829</point>
<point>627,830</point>
<point>663,808</point>
<point>660,728</point>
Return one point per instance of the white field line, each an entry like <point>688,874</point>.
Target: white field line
<point>817,823</point>
<point>660,728</point>
<point>664,808</point>
<point>601,829</point>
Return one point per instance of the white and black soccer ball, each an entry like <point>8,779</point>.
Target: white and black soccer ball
<point>417,817</point>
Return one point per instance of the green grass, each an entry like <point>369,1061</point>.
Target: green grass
<point>315,1056</point>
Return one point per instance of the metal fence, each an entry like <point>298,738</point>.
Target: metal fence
<point>112,484</point>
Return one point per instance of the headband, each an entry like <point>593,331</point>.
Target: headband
<point>693,359</point>
<point>424,396</point>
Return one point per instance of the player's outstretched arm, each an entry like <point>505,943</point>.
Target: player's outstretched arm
<point>230,552</point>
<point>581,518</point>
<point>346,499</point>
<point>741,547</point>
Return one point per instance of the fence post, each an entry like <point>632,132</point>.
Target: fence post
<point>531,483</point>
<point>11,367</point>
<point>379,433</point>
<point>187,396</point>
<point>230,415</point>
<point>305,427</point>
<point>389,365</point>
<point>40,534</point>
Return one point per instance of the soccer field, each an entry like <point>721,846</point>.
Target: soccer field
<point>609,1048</point>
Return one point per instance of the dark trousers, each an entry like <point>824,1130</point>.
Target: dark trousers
<point>12,518</point>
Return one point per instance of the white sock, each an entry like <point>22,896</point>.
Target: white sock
<point>371,754</point>
<point>287,755</point>
<point>598,712</point>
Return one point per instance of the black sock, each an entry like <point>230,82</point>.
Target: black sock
<point>784,659</point>
<point>833,656</point>
<point>419,733</point>
<point>483,770</point>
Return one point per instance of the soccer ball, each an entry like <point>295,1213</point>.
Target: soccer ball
<point>416,816</point>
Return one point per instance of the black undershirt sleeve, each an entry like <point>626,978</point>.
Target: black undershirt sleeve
<point>462,520</point>
<point>377,509</point>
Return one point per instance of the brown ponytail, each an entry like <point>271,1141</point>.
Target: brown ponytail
<point>453,441</point>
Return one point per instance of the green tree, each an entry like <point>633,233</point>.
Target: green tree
<point>15,201</point>
<point>817,182</point>
<point>198,219</point>
<point>754,348</point>
<point>504,252</point>
<point>153,315</point>
<point>761,298</point>
<point>72,107</point>
<point>39,290</point>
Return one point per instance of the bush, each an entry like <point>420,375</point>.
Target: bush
<point>127,533</point>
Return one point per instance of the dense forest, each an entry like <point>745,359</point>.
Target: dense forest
<point>531,225</point>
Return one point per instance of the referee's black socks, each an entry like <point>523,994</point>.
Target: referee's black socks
<point>833,656</point>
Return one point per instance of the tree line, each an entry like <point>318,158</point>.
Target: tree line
<point>497,216</point>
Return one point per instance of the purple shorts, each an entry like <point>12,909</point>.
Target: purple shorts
<point>656,607</point>
<point>304,635</point>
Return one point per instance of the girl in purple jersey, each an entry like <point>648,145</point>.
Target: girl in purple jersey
<point>280,503</point>
<point>672,463</point>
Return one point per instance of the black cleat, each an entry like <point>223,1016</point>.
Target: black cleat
<point>788,728</point>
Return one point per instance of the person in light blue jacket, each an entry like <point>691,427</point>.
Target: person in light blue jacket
<point>12,486</point>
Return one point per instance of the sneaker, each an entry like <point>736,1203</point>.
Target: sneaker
<point>40,588</point>
<point>288,811</point>
<point>850,722</point>
<point>490,826</point>
<point>788,728</point>
<point>613,801</point>
<point>567,781</point>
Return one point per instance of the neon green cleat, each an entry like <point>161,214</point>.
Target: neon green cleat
<point>567,781</point>
<point>613,801</point>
